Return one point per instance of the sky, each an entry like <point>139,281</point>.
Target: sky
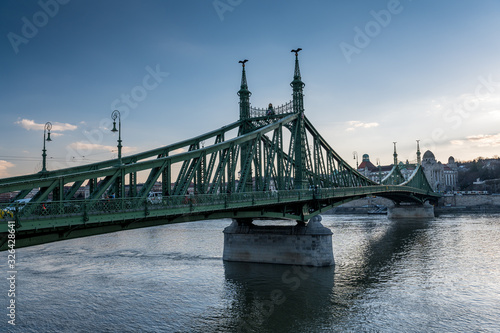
<point>376,72</point>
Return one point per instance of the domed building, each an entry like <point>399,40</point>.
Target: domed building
<point>428,157</point>
<point>442,177</point>
<point>366,165</point>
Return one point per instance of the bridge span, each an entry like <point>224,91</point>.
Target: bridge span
<point>270,164</point>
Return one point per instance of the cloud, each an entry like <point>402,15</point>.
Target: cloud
<point>85,148</point>
<point>31,125</point>
<point>482,101</point>
<point>485,140</point>
<point>177,151</point>
<point>4,165</point>
<point>494,114</point>
<point>358,124</point>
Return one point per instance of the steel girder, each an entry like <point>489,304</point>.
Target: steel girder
<point>248,176</point>
<point>12,183</point>
<point>418,180</point>
<point>264,165</point>
<point>394,177</point>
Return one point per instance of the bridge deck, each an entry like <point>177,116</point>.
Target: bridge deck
<point>55,214</point>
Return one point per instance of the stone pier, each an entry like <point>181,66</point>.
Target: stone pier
<point>404,212</point>
<point>309,244</point>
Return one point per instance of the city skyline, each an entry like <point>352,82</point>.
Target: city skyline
<point>376,72</point>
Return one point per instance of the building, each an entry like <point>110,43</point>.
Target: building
<point>441,177</point>
<point>377,173</point>
<point>369,170</point>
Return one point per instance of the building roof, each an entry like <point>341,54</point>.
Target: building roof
<point>429,155</point>
<point>385,168</point>
<point>367,165</point>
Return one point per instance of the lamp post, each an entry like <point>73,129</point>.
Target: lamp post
<point>355,156</point>
<point>395,154</point>
<point>116,114</point>
<point>379,171</point>
<point>46,129</point>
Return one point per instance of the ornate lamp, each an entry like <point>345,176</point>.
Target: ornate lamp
<point>46,130</point>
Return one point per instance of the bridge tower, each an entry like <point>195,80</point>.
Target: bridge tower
<point>301,244</point>
<point>299,134</point>
<point>246,124</point>
<point>419,160</point>
<point>244,95</point>
<point>395,154</point>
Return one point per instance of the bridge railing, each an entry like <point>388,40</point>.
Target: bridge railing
<point>282,109</point>
<point>183,204</point>
<point>208,202</point>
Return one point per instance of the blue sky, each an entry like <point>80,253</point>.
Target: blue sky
<point>376,72</point>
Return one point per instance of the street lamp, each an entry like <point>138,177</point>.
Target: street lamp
<point>355,156</point>
<point>46,129</point>
<point>379,171</point>
<point>116,114</point>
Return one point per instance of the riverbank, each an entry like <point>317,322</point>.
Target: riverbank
<point>457,204</point>
<point>480,209</point>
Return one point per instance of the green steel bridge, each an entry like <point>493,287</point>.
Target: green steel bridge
<point>270,164</point>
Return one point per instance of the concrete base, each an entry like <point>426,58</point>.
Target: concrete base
<point>409,212</point>
<point>309,245</point>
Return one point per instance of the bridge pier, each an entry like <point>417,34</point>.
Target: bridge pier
<point>402,212</point>
<point>309,244</point>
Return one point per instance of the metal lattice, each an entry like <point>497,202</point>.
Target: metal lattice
<point>268,164</point>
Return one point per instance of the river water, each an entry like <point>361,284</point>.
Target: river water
<point>436,275</point>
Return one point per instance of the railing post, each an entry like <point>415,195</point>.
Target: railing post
<point>16,218</point>
<point>85,214</point>
<point>146,209</point>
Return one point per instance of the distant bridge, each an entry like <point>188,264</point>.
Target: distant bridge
<point>270,164</point>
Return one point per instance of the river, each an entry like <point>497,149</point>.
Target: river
<point>436,275</point>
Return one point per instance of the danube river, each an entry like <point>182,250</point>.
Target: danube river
<point>438,275</point>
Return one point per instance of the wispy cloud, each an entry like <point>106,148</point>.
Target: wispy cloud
<point>85,148</point>
<point>90,146</point>
<point>177,151</point>
<point>465,104</point>
<point>354,124</point>
<point>480,140</point>
<point>32,125</point>
<point>4,165</point>
<point>485,140</point>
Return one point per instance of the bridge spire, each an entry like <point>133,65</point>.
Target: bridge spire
<point>419,160</point>
<point>299,133</point>
<point>297,85</point>
<point>395,154</point>
<point>246,124</point>
<point>244,94</point>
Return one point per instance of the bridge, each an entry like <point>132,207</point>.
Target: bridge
<point>270,164</point>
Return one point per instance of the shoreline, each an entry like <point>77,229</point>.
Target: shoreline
<point>477,204</point>
<point>437,210</point>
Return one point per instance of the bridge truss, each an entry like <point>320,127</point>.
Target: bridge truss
<point>271,163</point>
